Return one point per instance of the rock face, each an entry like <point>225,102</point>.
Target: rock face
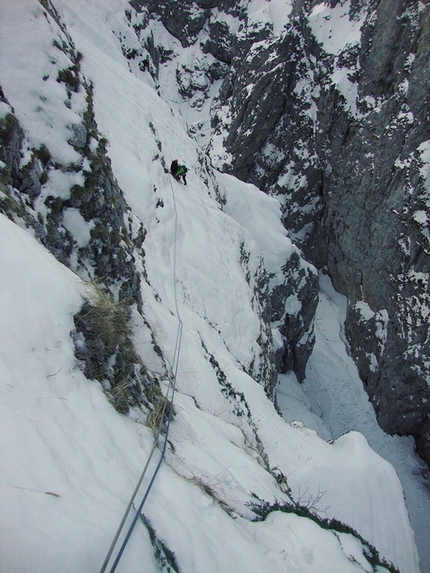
<point>296,328</point>
<point>108,252</point>
<point>337,127</point>
<point>376,218</point>
<point>362,205</point>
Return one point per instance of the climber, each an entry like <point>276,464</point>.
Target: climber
<point>178,171</point>
<point>174,168</point>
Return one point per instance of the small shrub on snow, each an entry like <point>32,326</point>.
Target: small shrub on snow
<point>263,508</point>
<point>103,345</point>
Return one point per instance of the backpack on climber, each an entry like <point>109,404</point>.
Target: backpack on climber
<point>178,171</point>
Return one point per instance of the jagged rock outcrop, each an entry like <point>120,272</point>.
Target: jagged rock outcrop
<point>270,128</point>
<point>296,326</point>
<point>107,254</point>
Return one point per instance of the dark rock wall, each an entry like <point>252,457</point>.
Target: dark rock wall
<point>377,244</point>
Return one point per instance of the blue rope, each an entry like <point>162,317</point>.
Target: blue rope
<point>163,452</point>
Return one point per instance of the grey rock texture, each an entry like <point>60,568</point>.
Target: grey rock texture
<point>377,248</point>
<point>296,328</point>
<point>271,134</point>
<point>109,255</point>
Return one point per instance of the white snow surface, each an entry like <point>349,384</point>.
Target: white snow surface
<point>333,27</point>
<point>275,13</point>
<point>69,462</point>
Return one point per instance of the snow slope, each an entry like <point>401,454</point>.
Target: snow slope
<point>69,461</point>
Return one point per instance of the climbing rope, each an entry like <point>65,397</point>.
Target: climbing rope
<point>133,497</point>
<point>171,390</point>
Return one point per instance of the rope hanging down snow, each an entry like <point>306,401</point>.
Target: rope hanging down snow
<point>171,391</point>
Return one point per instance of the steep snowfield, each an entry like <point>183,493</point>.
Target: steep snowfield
<point>69,461</point>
